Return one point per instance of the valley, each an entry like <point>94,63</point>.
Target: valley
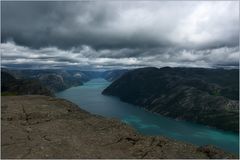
<point>89,97</point>
<point>88,79</point>
<point>171,102</point>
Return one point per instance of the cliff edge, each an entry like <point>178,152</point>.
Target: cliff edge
<point>46,127</point>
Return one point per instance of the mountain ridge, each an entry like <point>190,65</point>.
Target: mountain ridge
<point>59,80</point>
<point>207,96</point>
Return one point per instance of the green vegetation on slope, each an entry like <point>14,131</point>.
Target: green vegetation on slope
<point>207,96</point>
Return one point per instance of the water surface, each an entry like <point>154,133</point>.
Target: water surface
<point>89,98</point>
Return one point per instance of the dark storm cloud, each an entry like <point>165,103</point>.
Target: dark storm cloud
<point>120,34</point>
<point>66,24</point>
<point>118,25</point>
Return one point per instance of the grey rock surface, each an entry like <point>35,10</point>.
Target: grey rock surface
<point>46,127</point>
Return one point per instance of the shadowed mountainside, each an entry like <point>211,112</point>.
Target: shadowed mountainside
<point>54,80</point>
<point>58,80</point>
<point>12,86</point>
<point>113,75</point>
<point>207,96</point>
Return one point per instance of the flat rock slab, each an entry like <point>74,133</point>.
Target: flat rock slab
<point>46,127</point>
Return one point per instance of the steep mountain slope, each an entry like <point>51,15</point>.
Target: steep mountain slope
<point>57,79</point>
<point>40,127</point>
<point>113,75</point>
<point>54,80</point>
<point>12,86</point>
<point>207,96</point>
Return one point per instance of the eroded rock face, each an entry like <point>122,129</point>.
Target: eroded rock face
<point>46,127</point>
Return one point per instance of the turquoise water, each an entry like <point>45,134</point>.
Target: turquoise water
<point>89,97</point>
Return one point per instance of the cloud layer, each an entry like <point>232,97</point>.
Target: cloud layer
<point>88,58</point>
<point>118,34</point>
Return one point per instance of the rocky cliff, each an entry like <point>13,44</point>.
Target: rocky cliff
<point>12,86</point>
<point>207,96</point>
<point>53,80</point>
<point>46,127</point>
<point>57,80</point>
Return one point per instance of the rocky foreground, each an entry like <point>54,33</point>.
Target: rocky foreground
<point>46,127</point>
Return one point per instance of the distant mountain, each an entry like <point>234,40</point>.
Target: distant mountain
<point>12,86</point>
<point>54,80</point>
<point>109,75</point>
<point>207,96</point>
<point>113,75</point>
<point>58,79</point>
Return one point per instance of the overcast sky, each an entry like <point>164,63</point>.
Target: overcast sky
<point>120,34</point>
